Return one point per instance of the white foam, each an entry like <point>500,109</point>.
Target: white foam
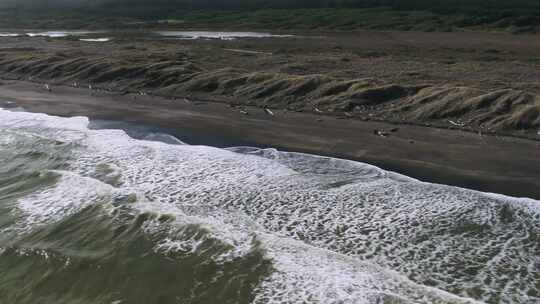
<point>71,194</point>
<point>336,230</point>
<point>37,120</point>
<point>306,274</point>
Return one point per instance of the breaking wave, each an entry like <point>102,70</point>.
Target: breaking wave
<point>95,216</point>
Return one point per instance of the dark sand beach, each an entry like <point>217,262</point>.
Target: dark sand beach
<point>487,163</point>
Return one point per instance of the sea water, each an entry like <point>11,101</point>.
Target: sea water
<point>96,216</point>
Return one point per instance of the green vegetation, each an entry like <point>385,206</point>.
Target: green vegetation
<point>517,16</point>
<point>382,18</point>
<point>379,18</point>
<point>437,5</point>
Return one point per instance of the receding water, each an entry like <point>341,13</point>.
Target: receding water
<point>95,39</point>
<point>10,35</point>
<point>92,36</point>
<point>218,35</point>
<point>95,216</point>
<point>59,34</point>
<point>50,34</point>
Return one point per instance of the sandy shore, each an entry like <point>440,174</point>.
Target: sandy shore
<point>497,164</point>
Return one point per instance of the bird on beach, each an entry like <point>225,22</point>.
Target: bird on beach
<point>48,88</point>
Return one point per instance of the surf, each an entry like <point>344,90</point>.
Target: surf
<point>130,219</point>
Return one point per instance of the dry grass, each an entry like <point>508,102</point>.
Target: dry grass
<point>402,85</point>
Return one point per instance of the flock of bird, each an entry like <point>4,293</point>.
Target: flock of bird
<point>243,111</point>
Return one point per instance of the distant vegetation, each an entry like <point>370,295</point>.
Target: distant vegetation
<point>515,16</point>
<point>405,4</point>
<point>383,18</point>
<point>448,6</point>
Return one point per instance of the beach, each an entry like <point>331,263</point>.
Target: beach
<point>487,163</point>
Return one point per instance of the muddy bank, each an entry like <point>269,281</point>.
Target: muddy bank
<point>487,163</point>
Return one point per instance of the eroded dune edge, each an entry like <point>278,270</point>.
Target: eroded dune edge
<point>500,111</point>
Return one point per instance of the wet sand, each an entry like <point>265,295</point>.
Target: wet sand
<point>496,164</point>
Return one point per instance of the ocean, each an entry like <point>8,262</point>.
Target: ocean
<point>97,216</point>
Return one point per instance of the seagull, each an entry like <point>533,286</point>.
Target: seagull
<point>47,87</point>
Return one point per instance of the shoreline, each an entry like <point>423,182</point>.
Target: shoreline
<point>489,163</point>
